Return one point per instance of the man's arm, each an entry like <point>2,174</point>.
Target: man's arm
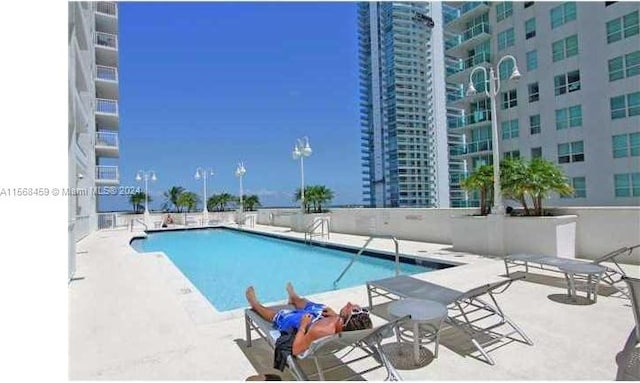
<point>302,340</point>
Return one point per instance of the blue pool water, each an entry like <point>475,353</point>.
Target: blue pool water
<point>221,263</point>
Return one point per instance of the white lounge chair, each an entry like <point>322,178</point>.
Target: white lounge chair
<point>611,276</point>
<point>366,340</point>
<point>467,311</point>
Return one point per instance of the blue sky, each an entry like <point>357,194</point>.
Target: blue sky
<point>212,84</point>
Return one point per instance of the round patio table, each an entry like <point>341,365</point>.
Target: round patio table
<point>426,319</point>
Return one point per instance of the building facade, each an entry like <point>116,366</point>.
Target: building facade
<point>402,103</point>
<point>93,145</point>
<point>577,102</point>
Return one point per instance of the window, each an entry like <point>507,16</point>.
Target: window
<point>579,187</point>
<point>624,66</point>
<point>512,154</point>
<point>509,99</point>
<point>626,145</point>
<point>625,105</point>
<point>534,124</point>
<point>571,152</point>
<point>504,10</point>
<point>622,27</point>
<point>569,82</point>
<point>534,92</point>
<point>563,14</point>
<point>530,28</point>
<point>527,4</point>
<point>532,60</point>
<point>627,184</point>
<point>608,3</point>
<point>506,39</point>
<point>536,152</point>
<point>569,117</point>
<point>564,48</point>
<point>510,129</point>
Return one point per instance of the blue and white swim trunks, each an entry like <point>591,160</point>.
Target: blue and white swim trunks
<point>287,319</point>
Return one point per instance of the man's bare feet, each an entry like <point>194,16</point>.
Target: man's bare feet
<point>251,296</point>
<point>291,292</point>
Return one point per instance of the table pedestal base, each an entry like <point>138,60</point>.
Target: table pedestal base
<point>402,355</point>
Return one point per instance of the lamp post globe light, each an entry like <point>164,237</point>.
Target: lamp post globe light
<point>146,176</point>
<point>300,150</point>
<point>492,92</point>
<point>203,173</point>
<point>240,171</point>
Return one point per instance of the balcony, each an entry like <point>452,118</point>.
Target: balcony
<point>107,175</point>
<point>106,40</point>
<point>107,144</point>
<point>474,147</point>
<point>106,49</point>
<point>107,8</point>
<point>107,113</point>
<point>106,17</point>
<point>467,12</point>
<point>458,44</point>
<point>466,66</point>
<point>106,79</point>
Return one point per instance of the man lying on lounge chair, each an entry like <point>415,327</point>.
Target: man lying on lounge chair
<point>313,319</point>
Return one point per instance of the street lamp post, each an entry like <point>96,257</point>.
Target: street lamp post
<point>240,171</point>
<point>203,173</point>
<point>301,150</point>
<point>146,176</point>
<point>492,92</point>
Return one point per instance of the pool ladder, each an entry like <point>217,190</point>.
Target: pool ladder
<point>371,238</point>
<point>319,222</point>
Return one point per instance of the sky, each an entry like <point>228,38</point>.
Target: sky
<point>213,84</point>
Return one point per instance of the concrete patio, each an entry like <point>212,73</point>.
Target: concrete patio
<point>135,316</point>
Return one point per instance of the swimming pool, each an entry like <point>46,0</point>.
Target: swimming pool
<point>221,263</point>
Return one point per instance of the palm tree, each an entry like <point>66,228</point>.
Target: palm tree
<point>251,202</point>
<point>219,201</point>
<point>212,202</point>
<point>514,177</point>
<point>321,195</point>
<point>545,177</point>
<point>298,195</point>
<point>482,180</point>
<point>137,201</point>
<point>188,199</point>
<point>314,196</point>
<point>172,195</point>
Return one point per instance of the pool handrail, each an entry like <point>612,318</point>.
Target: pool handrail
<point>395,241</point>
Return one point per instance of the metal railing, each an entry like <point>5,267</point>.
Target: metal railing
<point>106,73</point>
<point>319,222</point>
<point>107,139</point>
<point>106,221</point>
<point>104,105</point>
<point>137,220</point>
<point>107,7</point>
<point>106,40</point>
<point>353,259</point>
<point>479,58</point>
<point>108,173</point>
<point>467,35</point>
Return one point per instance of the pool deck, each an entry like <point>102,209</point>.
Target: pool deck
<point>134,317</point>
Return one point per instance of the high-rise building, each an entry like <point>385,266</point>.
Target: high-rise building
<point>577,102</point>
<point>93,113</point>
<point>402,104</point>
